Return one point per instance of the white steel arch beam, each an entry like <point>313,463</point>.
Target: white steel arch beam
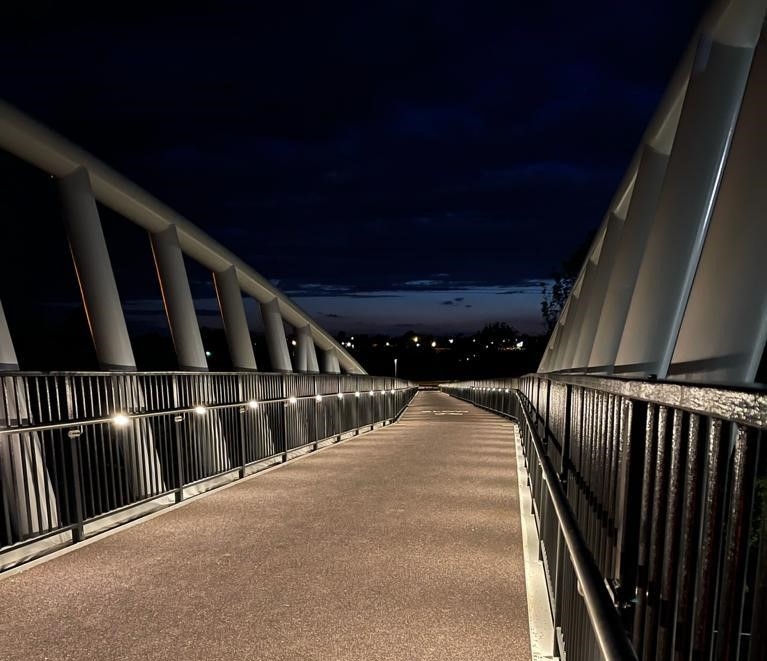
<point>41,147</point>
<point>731,23</point>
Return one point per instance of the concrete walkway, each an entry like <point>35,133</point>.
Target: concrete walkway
<point>402,544</point>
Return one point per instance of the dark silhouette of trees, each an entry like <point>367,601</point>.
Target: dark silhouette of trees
<point>554,299</point>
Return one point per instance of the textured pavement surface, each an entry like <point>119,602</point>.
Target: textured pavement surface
<point>400,544</point>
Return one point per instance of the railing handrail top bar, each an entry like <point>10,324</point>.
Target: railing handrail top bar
<point>84,422</point>
<point>36,144</point>
<point>609,632</point>
<point>735,403</point>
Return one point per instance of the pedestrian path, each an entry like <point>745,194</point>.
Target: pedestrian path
<point>402,544</point>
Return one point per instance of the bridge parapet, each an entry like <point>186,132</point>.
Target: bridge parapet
<point>80,452</point>
<point>650,505</point>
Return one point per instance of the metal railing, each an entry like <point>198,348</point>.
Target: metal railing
<point>650,500</point>
<point>79,448</point>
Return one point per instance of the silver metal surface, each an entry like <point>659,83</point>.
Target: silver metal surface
<point>681,221</point>
<point>306,357</point>
<point>601,279</point>
<point>330,364</point>
<point>177,299</point>
<point>8,359</point>
<point>585,294</point>
<point>32,142</point>
<point>94,272</point>
<point>275,336</point>
<point>235,321</point>
<point>620,288</point>
<point>724,330</point>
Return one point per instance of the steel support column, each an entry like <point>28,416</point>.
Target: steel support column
<point>723,333</point>
<point>569,332</point>
<point>105,314</point>
<point>94,273</point>
<point>576,323</point>
<point>177,299</point>
<point>603,273</point>
<point>330,364</point>
<point>312,364</point>
<point>35,508</point>
<point>689,192</point>
<point>276,342</point>
<point>306,357</point>
<point>8,360</point>
<point>644,201</point>
<point>235,321</point>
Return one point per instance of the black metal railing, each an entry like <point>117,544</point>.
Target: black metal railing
<point>650,500</point>
<point>77,448</point>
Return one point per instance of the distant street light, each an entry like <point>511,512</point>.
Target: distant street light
<point>395,368</point>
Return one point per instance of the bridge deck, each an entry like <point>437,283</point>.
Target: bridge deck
<point>401,544</point>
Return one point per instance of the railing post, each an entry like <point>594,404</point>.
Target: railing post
<point>357,397</point>
<point>316,414</point>
<point>77,527</point>
<point>565,440</point>
<point>177,433</point>
<point>285,415</point>
<point>339,425</point>
<point>242,423</point>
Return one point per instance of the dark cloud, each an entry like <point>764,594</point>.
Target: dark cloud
<point>343,148</point>
<point>448,303</point>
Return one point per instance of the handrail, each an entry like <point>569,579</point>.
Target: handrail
<point>656,489</point>
<point>611,636</point>
<point>76,448</point>
<point>738,404</point>
<point>126,418</point>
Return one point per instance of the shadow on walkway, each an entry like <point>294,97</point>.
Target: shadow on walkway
<point>401,544</point>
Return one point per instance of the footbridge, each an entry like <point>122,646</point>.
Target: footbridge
<point>610,506</point>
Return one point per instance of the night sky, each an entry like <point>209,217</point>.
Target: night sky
<point>391,165</point>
